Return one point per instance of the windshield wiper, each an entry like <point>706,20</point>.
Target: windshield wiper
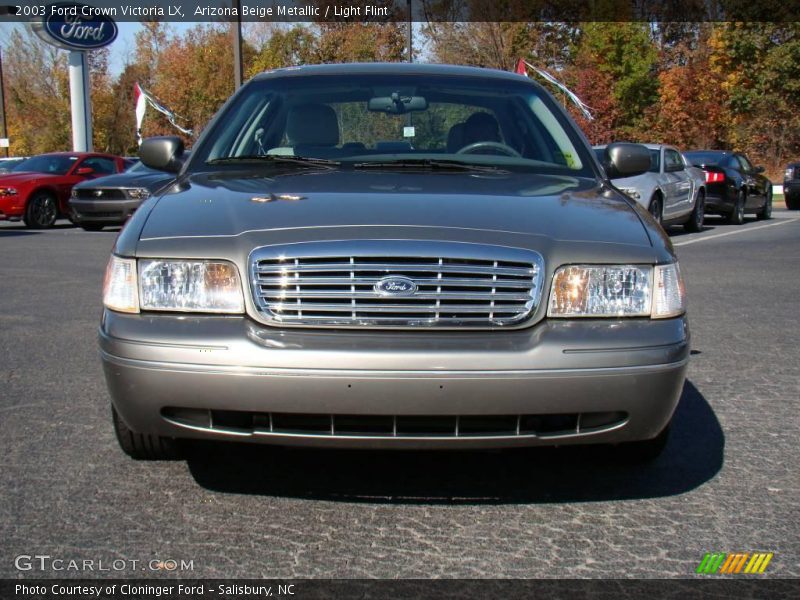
<point>428,163</point>
<point>276,158</point>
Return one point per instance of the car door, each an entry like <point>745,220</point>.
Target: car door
<point>755,193</point>
<point>679,186</point>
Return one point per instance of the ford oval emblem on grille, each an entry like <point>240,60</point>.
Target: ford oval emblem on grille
<point>395,286</point>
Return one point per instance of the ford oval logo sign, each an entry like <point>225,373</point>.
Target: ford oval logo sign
<point>79,27</point>
<point>395,286</point>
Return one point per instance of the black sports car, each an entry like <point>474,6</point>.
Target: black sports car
<point>733,185</point>
<point>113,199</point>
<point>791,186</point>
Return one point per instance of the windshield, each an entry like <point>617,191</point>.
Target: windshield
<point>361,119</point>
<point>54,164</point>
<point>704,158</point>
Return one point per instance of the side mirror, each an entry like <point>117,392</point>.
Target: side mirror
<point>85,171</point>
<point>758,170</point>
<point>626,160</point>
<point>163,153</point>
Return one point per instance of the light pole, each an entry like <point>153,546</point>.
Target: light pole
<point>3,132</point>
<point>237,46</point>
<point>410,33</point>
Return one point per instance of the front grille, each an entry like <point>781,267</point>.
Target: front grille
<point>105,194</point>
<point>397,426</point>
<point>396,284</point>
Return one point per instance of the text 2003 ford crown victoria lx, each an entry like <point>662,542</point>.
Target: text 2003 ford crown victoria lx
<point>393,256</point>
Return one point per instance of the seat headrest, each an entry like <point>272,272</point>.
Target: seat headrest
<point>455,138</point>
<point>312,125</point>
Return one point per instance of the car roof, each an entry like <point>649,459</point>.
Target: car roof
<point>718,152</point>
<point>396,68</point>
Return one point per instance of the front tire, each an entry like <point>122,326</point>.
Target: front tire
<point>736,216</point>
<point>698,216</point>
<point>766,212</point>
<point>792,202</point>
<point>143,446</point>
<point>655,208</point>
<point>41,212</point>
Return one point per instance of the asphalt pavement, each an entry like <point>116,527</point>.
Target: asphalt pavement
<point>727,482</point>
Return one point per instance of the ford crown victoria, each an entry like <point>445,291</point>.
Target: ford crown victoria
<point>393,256</point>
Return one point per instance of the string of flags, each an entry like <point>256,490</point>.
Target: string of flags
<point>522,69</point>
<point>143,98</point>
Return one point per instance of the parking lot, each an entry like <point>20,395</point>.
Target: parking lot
<point>727,482</point>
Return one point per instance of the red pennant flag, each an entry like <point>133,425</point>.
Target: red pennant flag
<point>521,69</point>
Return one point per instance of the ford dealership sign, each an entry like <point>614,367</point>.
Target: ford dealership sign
<point>76,26</point>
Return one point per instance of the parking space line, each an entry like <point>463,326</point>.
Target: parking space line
<point>745,230</point>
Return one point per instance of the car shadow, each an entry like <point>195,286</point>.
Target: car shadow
<point>693,456</point>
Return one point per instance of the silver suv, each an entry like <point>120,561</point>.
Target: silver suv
<point>393,256</point>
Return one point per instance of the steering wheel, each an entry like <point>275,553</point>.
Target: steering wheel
<point>503,148</point>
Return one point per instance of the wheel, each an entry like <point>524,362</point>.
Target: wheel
<point>41,211</point>
<point>698,216</point>
<point>502,148</point>
<point>143,446</point>
<point>766,212</point>
<point>92,226</point>
<point>736,216</point>
<point>792,202</point>
<point>655,208</point>
<point>644,451</point>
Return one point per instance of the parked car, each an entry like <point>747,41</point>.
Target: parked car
<point>734,187</point>
<point>323,273</point>
<point>38,189</point>
<point>671,190</point>
<point>7,164</point>
<point>791,186</point>
<point>111,200</point>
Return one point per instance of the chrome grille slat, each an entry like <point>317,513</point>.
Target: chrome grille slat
<point>423,281</point>
<point>400,308</point>
<point>455,285</point>
<point>418,296</point>
<point>445,268</point>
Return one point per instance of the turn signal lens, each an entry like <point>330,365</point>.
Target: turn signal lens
<point>120,291</point>
<point>669,293</point>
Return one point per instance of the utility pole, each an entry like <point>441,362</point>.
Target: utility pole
<point>237,46</point>
<point>3,131</point>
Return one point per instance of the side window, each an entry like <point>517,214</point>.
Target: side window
<point>672,160</point>
<point>746,166</point>
<point>101,166</point>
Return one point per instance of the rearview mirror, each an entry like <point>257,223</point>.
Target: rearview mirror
<point>164,153</point>
<point>397,104</point>
<point>623,159</point>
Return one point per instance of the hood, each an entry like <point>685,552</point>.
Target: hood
<point>151,181</point>
<point>20,177</point>
<point>306,203</point>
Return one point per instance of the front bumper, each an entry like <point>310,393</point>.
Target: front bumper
<point>161,368</point>
<point>102,211</point>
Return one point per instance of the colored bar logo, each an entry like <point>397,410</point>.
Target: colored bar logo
<point>722,563</point>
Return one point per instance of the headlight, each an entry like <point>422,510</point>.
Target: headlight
<point>190,286</point>
<point>617,291</point>
<point>138,193</point>
<point>8,191</point>
<point>632,192</point>
<point>789,173</point>
<point>120,291</point>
